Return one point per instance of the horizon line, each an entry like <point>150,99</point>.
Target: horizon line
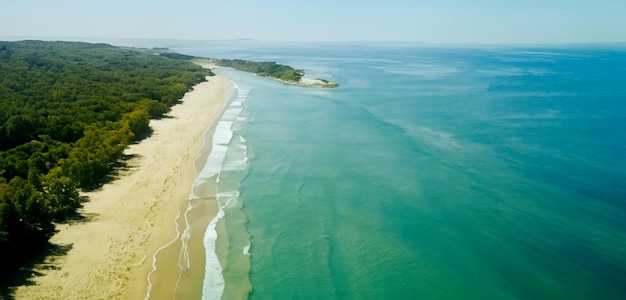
<point>426,43</point>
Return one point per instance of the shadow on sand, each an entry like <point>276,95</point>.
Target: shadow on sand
<point>40,261</point>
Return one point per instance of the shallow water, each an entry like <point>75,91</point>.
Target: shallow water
<point>430,173</point>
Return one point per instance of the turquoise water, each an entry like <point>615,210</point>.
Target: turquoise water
<point>433,173</point>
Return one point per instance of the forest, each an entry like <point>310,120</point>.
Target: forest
<point>67,112</point>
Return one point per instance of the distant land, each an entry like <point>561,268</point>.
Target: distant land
<point>272,70</point>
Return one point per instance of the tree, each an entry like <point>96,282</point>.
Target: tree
<point>29,220</point>
<point>138,121</point>
<point>61,194</point>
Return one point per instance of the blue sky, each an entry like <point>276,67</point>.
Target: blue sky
<point>441,21</point>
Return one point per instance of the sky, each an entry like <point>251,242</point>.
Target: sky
<point>432,21</point>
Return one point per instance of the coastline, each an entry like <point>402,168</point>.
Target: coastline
<point>129,219</point>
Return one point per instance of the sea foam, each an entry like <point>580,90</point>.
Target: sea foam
<point>211,174</point>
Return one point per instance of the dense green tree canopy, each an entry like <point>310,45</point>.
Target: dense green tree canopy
<point>67,112</point>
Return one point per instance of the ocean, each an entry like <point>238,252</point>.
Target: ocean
<point>430,173</point>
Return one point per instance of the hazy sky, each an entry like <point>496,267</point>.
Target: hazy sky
<point>434,21</point>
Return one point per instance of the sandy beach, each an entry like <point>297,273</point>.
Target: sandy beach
<point>133,217</point>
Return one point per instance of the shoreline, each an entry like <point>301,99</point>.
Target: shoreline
<point>129,219</point>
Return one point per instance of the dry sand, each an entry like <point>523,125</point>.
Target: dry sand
<point>130,218</point>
